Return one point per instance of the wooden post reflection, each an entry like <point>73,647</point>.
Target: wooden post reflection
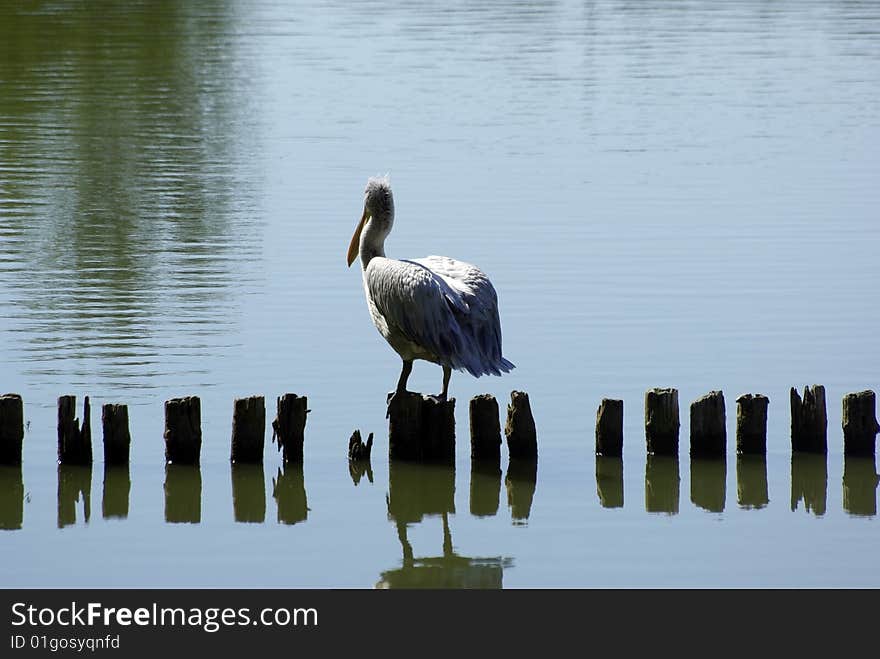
<point>485,492</point>
<point>860,485</point>
<point>609,481</point>
<point>709,483</point>
<point>248,492</point>
<point>809,481</point>
<point>11,498</point>
<point>289,492</point>
<point>74,484</point>
<point>751,481</point>
<point>521,480</point>
<point>117,485</point>
<point>183,494</point>
<point>662,484</point>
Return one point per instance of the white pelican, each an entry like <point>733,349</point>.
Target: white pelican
<point>436,308</point>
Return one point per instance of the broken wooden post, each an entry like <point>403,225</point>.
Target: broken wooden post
<point>74,442</point>
<point>421,428</point>
<point>751,424</point>
<point>609,428</point>
<point>609,481</point>
<point>183,493</point>
<point>709,483</point>
<point>117,440</point>
<point>183,431</point>
<point>751,481</point>
<point>248,492</point>
<point>117,486</point>
<point>661,421</point>
<point>522,439</point>
<point>357,449</point>
<point>288,428</point>
<point>709,426</point>
<point>485,428</point>
<point>248,430</point>
<point>662,484</point>
<point>809,422</point>
<point>11,429</point>
<point>859,423</point>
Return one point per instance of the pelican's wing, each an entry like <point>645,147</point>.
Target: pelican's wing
<point>447,307</point>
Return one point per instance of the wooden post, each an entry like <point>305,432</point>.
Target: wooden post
<point>609,481</point>
<point>522,440</point>
<point>661,421</point>
<point>709,426</point>
<point>117,439</point>
<point>751,424</point>
<point>288,428</point>
<point>421,428</point>
<point>11,429</point>
<point>183,431</point>
<point>809,422</point>
<point>117,486</point>
<point>609,428</point>
<point>751,481</point>
<point>248,430</point>
<point>74,442</point>
<point>485,428</point>
<point>859,423</point>
<point>357,449</point>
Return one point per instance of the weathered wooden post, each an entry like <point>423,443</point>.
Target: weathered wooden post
<point>248,430</point>
<point>609,481</point>
<point>751,481</point>
<point>183,493</point>
<point>809,422</point>
<point>117,439</point>
<point>11,429</point>
<point>359,457</point>
<point>662,484</point>
<point>74,442</point>
<point>248,492</point>
<point>522,438</point>
<point>709,426</point>
<point>661,421</point>
<point>183,431</point>
<point>609,428</point>
<point>485,428</point>
<point>709,483</point>
<point>860,423</point>
<point>117,486</point>
<point>421,428</point>
<point>289,492</point>
<point>751,424</point>
<point>288,428</point>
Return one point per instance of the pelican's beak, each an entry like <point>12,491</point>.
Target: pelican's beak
<point>355,244</point>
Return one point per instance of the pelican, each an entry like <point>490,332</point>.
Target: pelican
<point>436,308</point>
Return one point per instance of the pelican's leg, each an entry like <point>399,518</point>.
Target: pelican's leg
<point>447,373</point>
<point>401,383</point>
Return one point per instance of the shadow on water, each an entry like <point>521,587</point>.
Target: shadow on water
<point>11,498</point>
<point>485,494</point>
<point>809,482</point>
<point>751,481</point>
<point>248,493</point>
<point>289,492</point>
<point>662,484</point>
<point>709,483</point>
<point>521,481</point>
<point>117,486</point>
<point>417,491</point>
<point>183,494</point>
<point>609,481</point>
<point>860,486</point>
<point>74,485</point>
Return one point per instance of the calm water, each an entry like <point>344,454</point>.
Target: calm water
<point>664,194</point>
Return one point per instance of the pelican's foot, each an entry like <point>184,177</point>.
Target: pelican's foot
<point>391,396</point>
<point>438,398</point>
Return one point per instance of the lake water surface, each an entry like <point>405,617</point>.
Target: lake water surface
<point>664,194</point>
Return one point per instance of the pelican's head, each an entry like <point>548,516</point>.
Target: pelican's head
<point>378,210</point>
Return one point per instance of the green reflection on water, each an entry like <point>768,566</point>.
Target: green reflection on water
<point>11,497</point>
<point>74,486</point>
<point>183,494</point>
<point>809,482</point>
<point>751,481</point>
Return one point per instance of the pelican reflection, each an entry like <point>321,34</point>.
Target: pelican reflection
<point>74,486</point>
<point>11,498</point>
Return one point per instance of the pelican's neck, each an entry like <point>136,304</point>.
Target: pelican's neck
<point>373,238</point>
